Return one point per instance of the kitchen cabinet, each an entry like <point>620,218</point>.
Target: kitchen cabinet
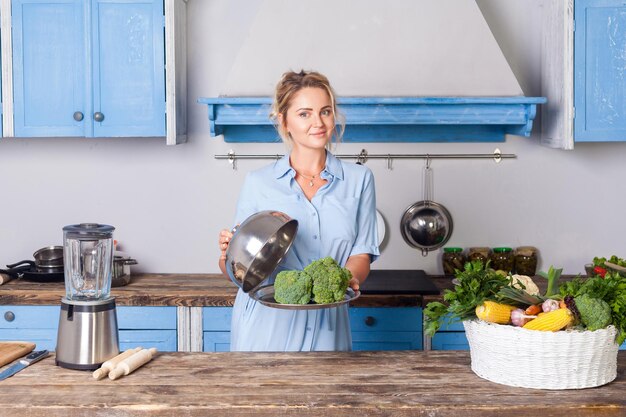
<point>138,326</point>
<point>450,337</point>
<point>98,68</point>
<point>373,328</point>
<point>584,72</point>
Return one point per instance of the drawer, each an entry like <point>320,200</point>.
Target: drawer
<point>449,341</point>
<point>29,317</point>
<point>386,340</point>
<point>163,340</point>
<point>216,319</point>
<point>392,319</point>
<point>146,317</point>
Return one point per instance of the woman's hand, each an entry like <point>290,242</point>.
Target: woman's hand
<point>354,284</point>
<point>359,266</point>
<point>223,241</point>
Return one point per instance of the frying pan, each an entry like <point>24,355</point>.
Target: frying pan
<point>426,225</point>
<point>29,271</point>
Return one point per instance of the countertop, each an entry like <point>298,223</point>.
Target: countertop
<point>191,290</point>
<point>402,383</point>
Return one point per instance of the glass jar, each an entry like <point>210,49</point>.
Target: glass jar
<point>526,260</point>
<point>479,254</point>
<point>452,259</point>
<point>502,259</point>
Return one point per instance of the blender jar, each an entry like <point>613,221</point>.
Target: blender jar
<point>88,258</point>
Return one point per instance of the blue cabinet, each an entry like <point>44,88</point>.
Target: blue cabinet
<point>380,328</point>
<point>88,68</point>
<point>138,326</point>
<point>450,337</point>
<point>599,70</point>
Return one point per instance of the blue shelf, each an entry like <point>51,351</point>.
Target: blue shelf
<point>388,119</point>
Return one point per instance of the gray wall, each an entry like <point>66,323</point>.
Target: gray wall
<point>168,203</point>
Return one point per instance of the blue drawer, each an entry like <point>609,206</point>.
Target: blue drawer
<point>386,340</point>
<point>43,338</point>
<point>29,317</point>
<point>163,340</point>
<point>385,319</point>
<point>216,318</point>
<point>449,341</point>
<point>146,317</point>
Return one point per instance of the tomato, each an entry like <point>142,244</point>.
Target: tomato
<point>598,270</point>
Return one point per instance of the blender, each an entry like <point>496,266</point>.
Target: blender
<point>87,334</point>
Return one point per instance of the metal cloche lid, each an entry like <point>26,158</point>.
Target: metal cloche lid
<point>89,230</point>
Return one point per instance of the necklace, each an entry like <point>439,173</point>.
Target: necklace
<point>308,178</point>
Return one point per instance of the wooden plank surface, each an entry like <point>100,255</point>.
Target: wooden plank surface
<point>410,383</point>
<point>190,290</point>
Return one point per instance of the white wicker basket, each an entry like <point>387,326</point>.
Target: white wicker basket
<point>520,357</point>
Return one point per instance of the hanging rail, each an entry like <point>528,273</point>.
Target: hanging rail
<point>363,156</point>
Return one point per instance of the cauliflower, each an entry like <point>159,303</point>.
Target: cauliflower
<point>293,287</point>
<point>524,282</point>
<point>594,312</point>
<point>330,280</point>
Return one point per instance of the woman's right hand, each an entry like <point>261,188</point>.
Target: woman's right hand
<point>223,241</point>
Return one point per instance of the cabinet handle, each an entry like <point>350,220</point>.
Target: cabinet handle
<point>370,321</point>
<point>9,316</point>
<point>78,116</point>
<point>98,117</point>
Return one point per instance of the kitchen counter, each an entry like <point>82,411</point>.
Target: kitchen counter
<point>186,290</point>
<point>408,383</point>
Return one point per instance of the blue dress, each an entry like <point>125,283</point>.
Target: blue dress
<point>340,221</point>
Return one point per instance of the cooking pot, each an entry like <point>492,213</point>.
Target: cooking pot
<point>49,257</point>
<point>120,275</point>
<point>426,225</point>
<point>257,247</point>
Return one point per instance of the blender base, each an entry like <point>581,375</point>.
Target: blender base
<point>87,335</point>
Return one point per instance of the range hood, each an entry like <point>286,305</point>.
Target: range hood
<point>405,71</point>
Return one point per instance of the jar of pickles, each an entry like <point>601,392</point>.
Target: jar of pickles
<point>526,260</point>
<point>479,254</point>
<point>502,259</point>
<point>452,259</point>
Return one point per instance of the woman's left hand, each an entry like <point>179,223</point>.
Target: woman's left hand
<point>354,284</point>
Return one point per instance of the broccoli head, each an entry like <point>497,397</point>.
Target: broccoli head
<point>594,312</point>
<point>330,281</point>
<point>293,287</point>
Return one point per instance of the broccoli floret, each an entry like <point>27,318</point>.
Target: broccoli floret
<point>330,281</point>
<point>293,287</point>
<point>594,312</point>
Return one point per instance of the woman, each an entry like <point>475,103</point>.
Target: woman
<point>335,205</point>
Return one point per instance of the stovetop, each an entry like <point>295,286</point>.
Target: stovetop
<point>398,281</point>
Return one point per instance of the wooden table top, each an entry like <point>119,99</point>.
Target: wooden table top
<point>191,290</point>
<point>403,383</point>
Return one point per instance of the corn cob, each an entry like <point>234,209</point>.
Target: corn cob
<point>551,321</point>
<point>494,312</point>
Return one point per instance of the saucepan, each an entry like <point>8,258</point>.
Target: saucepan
<point>47,266</point>
<point>426,225</point>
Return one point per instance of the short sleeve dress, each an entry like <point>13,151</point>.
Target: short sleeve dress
<point>340,221</point>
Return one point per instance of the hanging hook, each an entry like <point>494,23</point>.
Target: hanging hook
<point>497,155</point>
<point>361,157</point>
<point>232,158</point>
<point>427,161</point>
<point>388,161</point>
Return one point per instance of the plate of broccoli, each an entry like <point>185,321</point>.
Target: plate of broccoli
<point>321,284</point>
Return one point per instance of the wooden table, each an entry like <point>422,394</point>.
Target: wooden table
<point>409,383</point>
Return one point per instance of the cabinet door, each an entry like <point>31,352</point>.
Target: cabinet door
<point>600,70</point>
<point>128,68</point>
<point>48,67</point>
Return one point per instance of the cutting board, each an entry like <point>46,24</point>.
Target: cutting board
<point>9,351</point>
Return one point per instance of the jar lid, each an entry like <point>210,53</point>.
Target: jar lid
<point>501,250</point>
<point>85,231</point>
<point>452,250</point>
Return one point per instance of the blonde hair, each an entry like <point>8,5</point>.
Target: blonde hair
<point>289,84</point>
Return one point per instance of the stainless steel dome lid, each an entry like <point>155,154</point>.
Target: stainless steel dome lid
<point>257,247</point>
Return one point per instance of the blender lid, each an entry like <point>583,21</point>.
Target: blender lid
<point>89,230</point>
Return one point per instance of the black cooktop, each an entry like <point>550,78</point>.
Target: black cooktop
<point>398,281</point>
